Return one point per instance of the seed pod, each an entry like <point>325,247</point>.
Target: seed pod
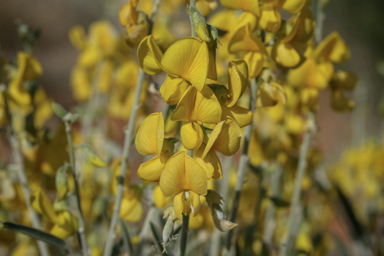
<point>168,230</point>
<point>61,182</point>
<point>219,219</point>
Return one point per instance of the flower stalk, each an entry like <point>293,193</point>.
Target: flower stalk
<point>81,230</point>
<point>295,202</point>
<point>243,164</point>
<point>126,149</point>
<point>20,171</point>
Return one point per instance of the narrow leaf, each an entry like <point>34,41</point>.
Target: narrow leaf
<point>278,202</point>
<point>59,110</point>
<point>92,156</point>
<point>35,233</point>
<point>157,236</point>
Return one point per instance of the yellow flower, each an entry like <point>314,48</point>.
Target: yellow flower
<point>245,41</point>
<point>289,51</point>
<point>28,69</point>
<point>159,199</point>
<point>333,48</point>
<point>185,179</point>
<point>150,140</point>
<point>65,224</point>
<point>186,61</point>
<point>196,106</point>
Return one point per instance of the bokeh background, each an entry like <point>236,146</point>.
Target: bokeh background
<point>360,23</point>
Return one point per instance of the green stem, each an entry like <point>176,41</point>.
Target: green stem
<point>81,229</point>
<point>243,164</point>
<point>126,150</point>
<point>295,202</point>
<point>20,171</point>
<point>184,235</point>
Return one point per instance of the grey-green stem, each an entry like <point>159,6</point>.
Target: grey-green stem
<point>295,202</point>
<point>81,229</point>
<point>242,166</point>
<point>21,175</point>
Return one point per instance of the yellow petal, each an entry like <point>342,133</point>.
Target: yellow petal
<point>304,25</point>
<point>228,140</point>
<point>41,204</point>
<point>191,135</point>
<point>269,94</point>
<point>255,61</point>
<point>244,40</point>
<point>159,199</point>
<point>223,20</point>
<point>292,6</point>
<point>149,138</point>
<point>172,89</point>
<point>198,106</point>
<point>237,80</point>
<point>270,19</point>
<point>212,138</point>
<point>77,37</point>
<point>149,56</point>
<point>126,75</point>
<point>195,203</point>
<point>29,68</point>
<point>19,94</point>
<point>151,170</point>
<point>215,162</point>
<point>68,227</point>
<point>332,48</point>
<point>241,115</point>
<point>183,173</point>
<point>178,205</point>
<point>188,58</point>
<point>246,5</point>
<point>127,14</point>
<point>286,55</point>
<point>131,209</point>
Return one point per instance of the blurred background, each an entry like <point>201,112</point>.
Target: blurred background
<point>358,22</point>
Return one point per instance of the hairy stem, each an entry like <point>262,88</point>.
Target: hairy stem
<point>126,150</point>
<point>243,165</point>
<point>20,171</point>
<point>81,230</point>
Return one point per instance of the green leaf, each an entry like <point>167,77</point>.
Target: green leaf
<point>74,117</point>
<point>157,236</point>
<point>92,156</point>
<point>278,202</point>
<point>59,110</point>
<point>35,233</point>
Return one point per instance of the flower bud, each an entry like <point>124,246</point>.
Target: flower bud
<point>168,230</point>
<point>198,22</point>
<point>61,182</point>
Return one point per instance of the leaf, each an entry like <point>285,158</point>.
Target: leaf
<point>35,233</point>
<point>157,236</point>
<point>278,202</point>
<point>59,110</point>
<point>126,238</point>
<point>92,156</point>
<point>74,117</point>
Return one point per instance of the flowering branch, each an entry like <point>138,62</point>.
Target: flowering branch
<point>20,171</point>
<point>126,149</point>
